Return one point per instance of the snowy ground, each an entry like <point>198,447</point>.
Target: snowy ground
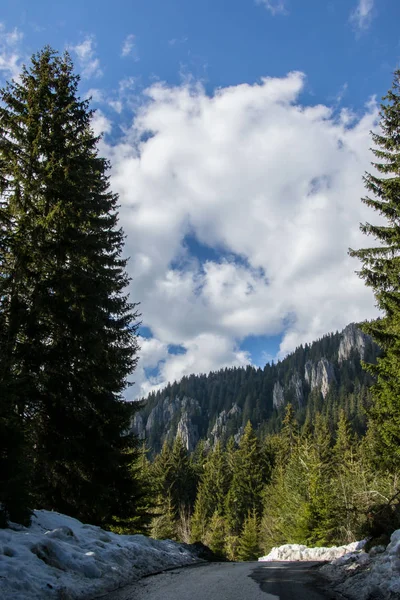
<point>299,552</point>
<point>58,557</point>
<point>354,573</point>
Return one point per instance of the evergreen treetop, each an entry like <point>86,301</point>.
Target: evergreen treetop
<point>381,271</point>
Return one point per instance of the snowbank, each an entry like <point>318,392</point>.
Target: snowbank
<point>60,557</point>
<point>365,576</point>
<point>354,573</point>
<point>299,552</point>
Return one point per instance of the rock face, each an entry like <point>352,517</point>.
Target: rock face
<point>319,375</point>
<point>222,421</point>
<point>278,398</point>
<point>352,339</point>
<point>181,411</point>
<point>188,432</point>
<point>296,385</point>
<point>138,426</point>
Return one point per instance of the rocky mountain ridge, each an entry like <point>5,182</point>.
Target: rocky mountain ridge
<point>216,406</point>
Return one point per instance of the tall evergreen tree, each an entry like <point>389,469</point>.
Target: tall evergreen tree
<point>175,483</point>
<point>249,548</point>
<point>211,492</point>
<point>68,331</point>
<point>381,271</point>
<point>248,478</point>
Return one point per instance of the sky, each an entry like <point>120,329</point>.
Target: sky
<point>238,135</point>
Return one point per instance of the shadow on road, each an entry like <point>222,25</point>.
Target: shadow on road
<point>293,580</point>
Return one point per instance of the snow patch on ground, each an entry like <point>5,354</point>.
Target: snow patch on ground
<point>363,576</point>
<point>300,552</point>
<point>60,557</point>
<point>354,573</point>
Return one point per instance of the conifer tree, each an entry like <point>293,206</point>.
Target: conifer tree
<point>180,479</point>
<point>175,484</point>
<point>216,534</point>
<point>381,271</point>
<point>248,479</point>
<point>211,493</point>
<point>68,331</point>
<point>164,524</point>
<point>248,542</point>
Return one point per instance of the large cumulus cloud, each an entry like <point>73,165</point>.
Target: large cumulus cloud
<point>274,185</point>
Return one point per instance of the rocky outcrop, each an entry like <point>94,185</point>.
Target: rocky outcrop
<point>292,392</point>
<point>170,417</point>
<point>138,426</point>
<point>319,375</point>
<point>219,430</point>
<point>352,339</point>
<point>238,436</point>
<point>187,431</point>
<point>296,385</point>
<point>278,397</point>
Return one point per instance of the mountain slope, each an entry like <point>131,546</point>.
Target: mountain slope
<point>323,376</point>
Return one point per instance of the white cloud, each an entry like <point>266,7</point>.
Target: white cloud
<point>10,52</point>
<point>88,63</point>
<point>204,353</point>
<point>100,123</point>
<point>178,41</point>
<point>362,15</point>
<point>274,183</point>
<point>275,7</point>
<point>128,47</point>
<point>95,95</point>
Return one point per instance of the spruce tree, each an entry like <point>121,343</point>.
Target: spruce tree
<point>68,339</point>
<point>175,485</point>
<point>211,493</point>
<point>216,535</point>
<point>381,271</point>
<point>249,548</point>
<point>248,479</point>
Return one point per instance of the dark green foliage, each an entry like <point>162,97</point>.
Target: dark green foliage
<point>67,341</point>
<point>211,493</point>
<point>381,271</point>
<point>307,487</point>
<point>15,497</point>
<point>249,474</point>
<point>174,481</point>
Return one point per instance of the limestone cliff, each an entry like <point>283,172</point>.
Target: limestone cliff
<point>224,422</point>
<point>278,398</point>
<point>319,375</point>
<point>353,339</point>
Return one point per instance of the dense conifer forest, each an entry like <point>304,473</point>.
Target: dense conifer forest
<point>305,473</point>
<point>253,391</point>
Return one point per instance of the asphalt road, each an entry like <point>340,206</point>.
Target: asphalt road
<point>231,581</point>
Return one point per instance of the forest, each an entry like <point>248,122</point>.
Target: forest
<point>325,472</point>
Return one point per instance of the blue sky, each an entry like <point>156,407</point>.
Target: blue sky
<point>238,134</point>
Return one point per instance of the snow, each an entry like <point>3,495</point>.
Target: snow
<point>353,572</point>
<point>60,557</point>
<point>300,552</point>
